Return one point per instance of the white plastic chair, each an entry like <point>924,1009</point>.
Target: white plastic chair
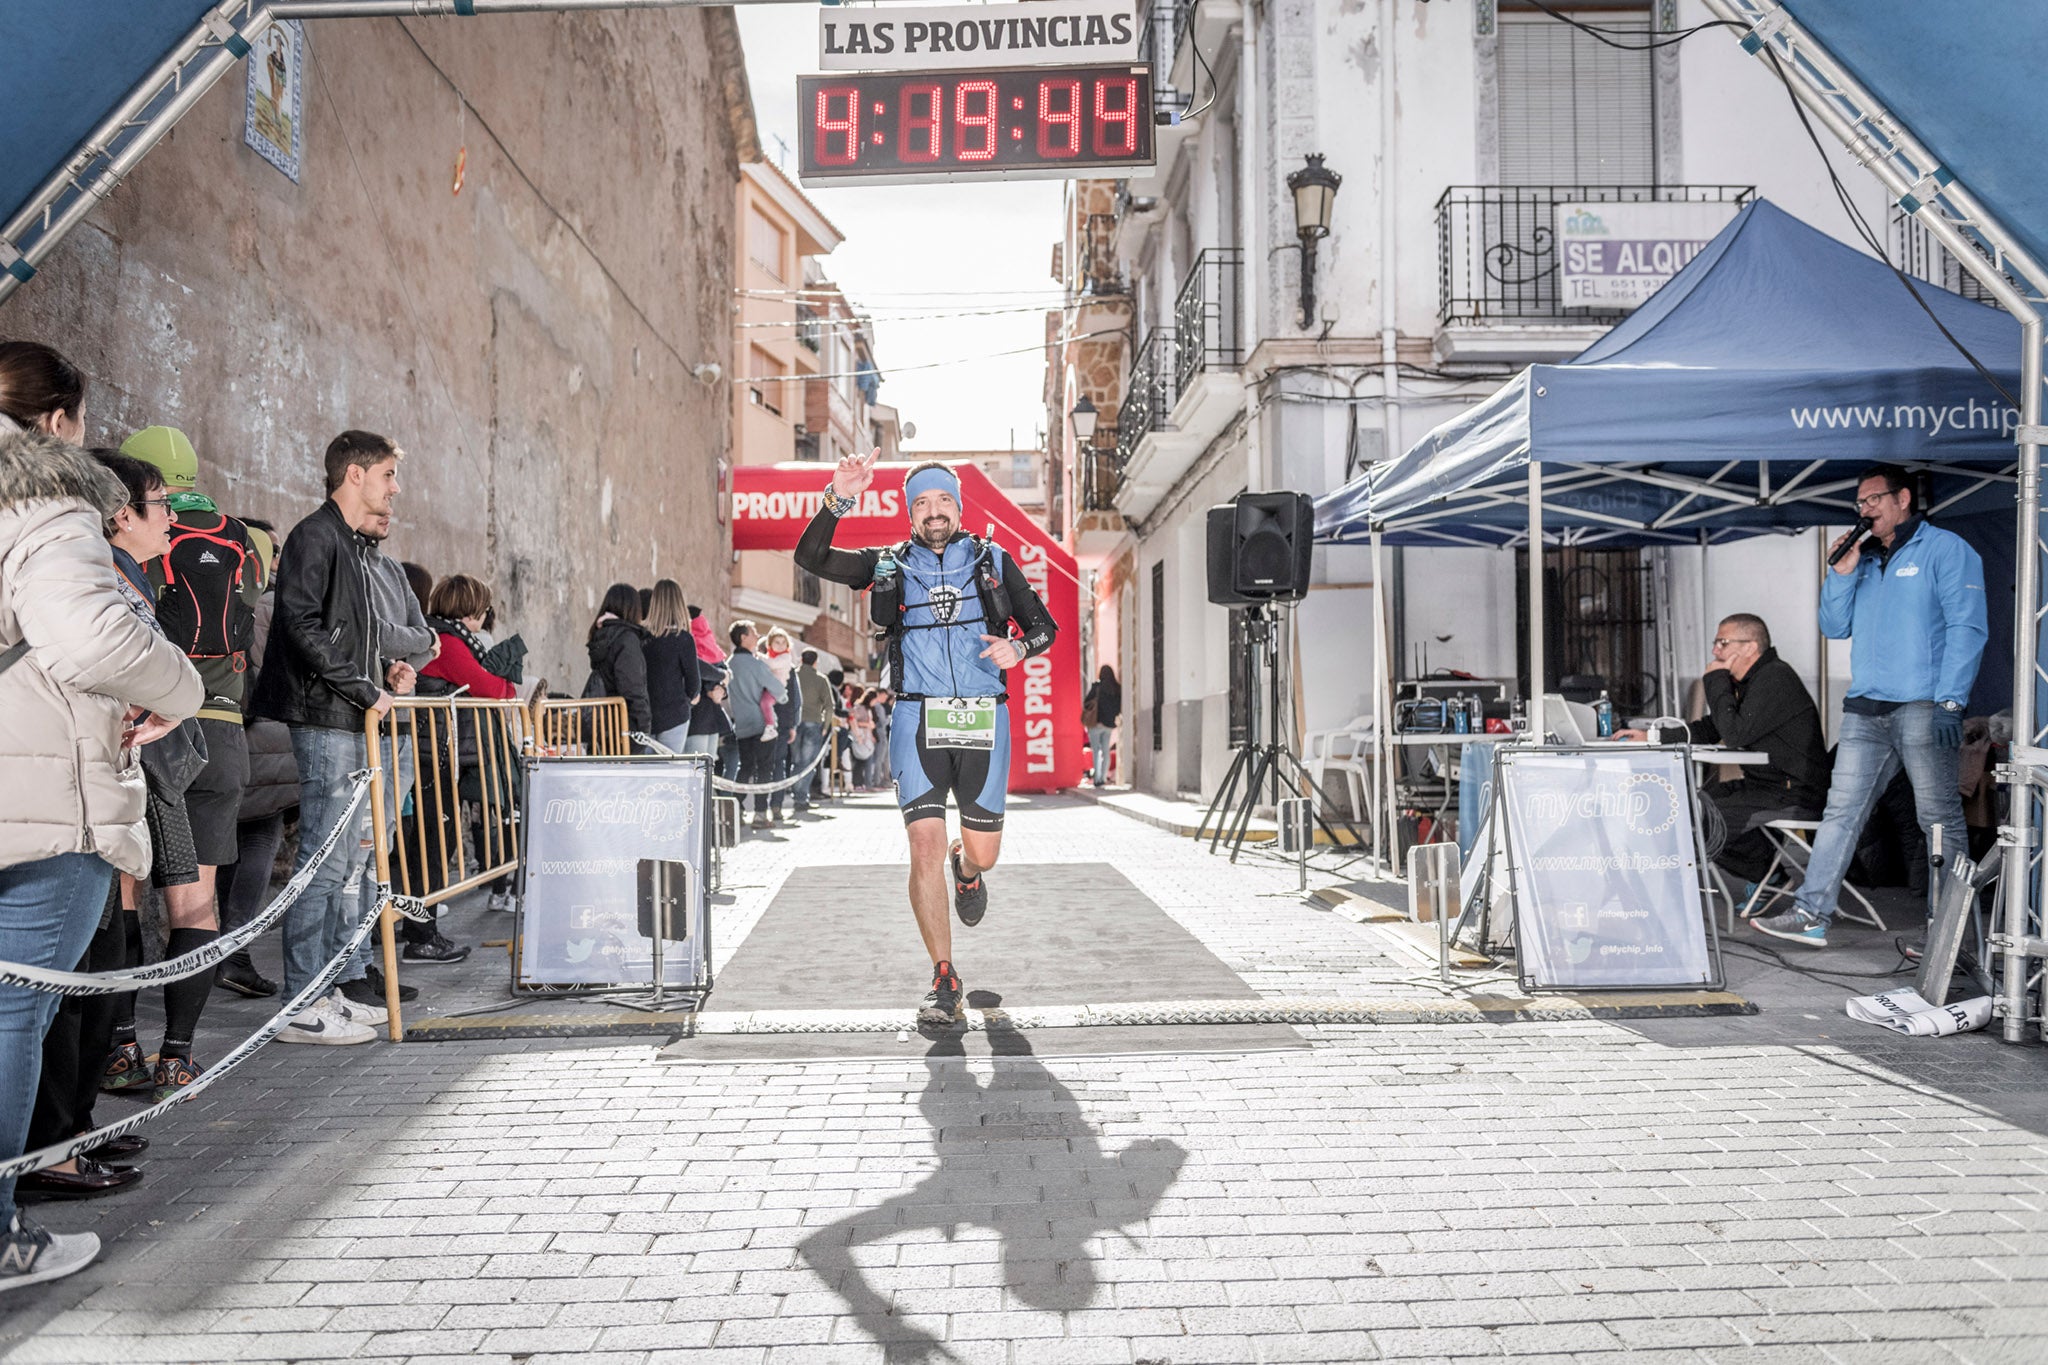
<point>1348,750</point>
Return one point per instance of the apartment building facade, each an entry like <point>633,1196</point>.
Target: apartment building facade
<point>1207,369</point>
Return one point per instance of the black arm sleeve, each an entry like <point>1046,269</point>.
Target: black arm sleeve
<point>815,554</point>
<point>1034,622</point>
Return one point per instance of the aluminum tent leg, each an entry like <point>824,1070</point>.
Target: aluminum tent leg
<point>1382,785</point>
<point>2023,923</point>
<point>1537,719</point>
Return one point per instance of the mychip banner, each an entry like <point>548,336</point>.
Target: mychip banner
<point>1605,869</point>
<point>616,850</point>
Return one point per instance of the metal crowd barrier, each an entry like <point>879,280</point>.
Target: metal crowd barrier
<point>461,752</point>
<point>596,726</point>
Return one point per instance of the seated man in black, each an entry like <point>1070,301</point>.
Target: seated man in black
<point>1756,701</point>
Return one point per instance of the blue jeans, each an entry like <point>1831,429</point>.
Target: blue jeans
<point>321,920</point>
<point>810,737</point>
<point>400,771</point>
<point>1099,737</point>
<point>49,910</point>
<point>1867,757</point>
<point>675,739</point>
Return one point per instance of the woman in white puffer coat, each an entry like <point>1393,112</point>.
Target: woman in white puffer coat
<point>85,682</point>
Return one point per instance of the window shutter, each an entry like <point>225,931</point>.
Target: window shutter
<point>1574,111</point>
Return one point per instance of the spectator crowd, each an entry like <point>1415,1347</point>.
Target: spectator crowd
<point>182,688</point>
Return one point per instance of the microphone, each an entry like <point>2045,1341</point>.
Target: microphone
<point>1842,550</point>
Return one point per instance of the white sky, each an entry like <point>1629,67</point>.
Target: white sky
<point>980,243</point>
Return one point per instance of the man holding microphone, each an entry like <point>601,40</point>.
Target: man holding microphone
<point>1911,600</point>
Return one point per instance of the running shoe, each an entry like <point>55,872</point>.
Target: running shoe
<point>1802,927</point>
<point>942,1003</point>
<point>127,1069</point>
<point>30,1255</point>
<point>355,1003</point>
<point>970,898</point>
<point>320,1023</point>
<point>172,1075</point>
<point>437,948</point>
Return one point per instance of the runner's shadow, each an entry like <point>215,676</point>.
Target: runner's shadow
<point>1016,1157</point>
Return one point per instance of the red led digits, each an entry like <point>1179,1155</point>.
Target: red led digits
<point>1116,122</point>
<point>1065,121</point>
<point>829,128</point>
<point>913,126</point>
<point>968,127</point>
<point>920,112</point>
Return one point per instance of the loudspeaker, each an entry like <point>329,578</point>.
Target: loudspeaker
<point>1259,546</point>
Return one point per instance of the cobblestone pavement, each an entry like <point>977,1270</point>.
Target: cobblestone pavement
<point>1783,1188</point>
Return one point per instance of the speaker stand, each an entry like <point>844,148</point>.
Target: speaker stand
<point>1255,763</point>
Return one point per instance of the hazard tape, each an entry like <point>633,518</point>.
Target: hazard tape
<point>249,1047</point>
<point>52,982</point>
<point>740,788</point>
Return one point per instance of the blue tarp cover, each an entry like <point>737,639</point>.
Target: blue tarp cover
<point>1777,347</point>
<point>1965,76</point>
<point>69,62</point>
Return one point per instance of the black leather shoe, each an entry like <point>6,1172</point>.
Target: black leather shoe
<point>89,1181</point>
<point>239,974</point>
<point>114,1149</point>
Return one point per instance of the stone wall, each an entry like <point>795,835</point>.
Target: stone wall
<point>528,341</point>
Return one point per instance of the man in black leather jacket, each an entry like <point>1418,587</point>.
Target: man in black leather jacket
<point>1757,701</point>
<point>323,669</point>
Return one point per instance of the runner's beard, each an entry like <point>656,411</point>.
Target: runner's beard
<point>935,532</point>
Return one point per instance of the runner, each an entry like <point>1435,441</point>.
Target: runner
<point>945,602</point>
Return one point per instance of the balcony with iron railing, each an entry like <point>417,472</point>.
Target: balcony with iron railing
<point>1206,325</point>
<point>1102,472</point>
<point>1101,274</point>
<point>1498,263</point>
<point>809,327</point>
<point>1148,398</point>
<point>1172,415</point>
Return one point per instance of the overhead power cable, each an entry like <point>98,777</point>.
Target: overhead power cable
<point>935,364</point>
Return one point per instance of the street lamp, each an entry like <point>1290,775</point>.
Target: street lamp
<point>1315,190</point>
<point>1084,421</point>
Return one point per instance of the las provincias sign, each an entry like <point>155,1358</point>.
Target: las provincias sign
<point>771,505</point>
<point>945,37</point>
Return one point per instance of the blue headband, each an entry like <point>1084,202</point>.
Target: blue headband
<point>932,481</point>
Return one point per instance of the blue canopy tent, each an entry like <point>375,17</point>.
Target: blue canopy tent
<point>1939,102</point>
<point>1741,399</point>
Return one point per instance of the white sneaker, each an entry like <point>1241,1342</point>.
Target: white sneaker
<point>30,1254</point>
<point>356,1012</point>
<point>500,901</point>
<point>321,1023</point>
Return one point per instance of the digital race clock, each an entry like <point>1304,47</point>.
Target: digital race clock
<point>903,127</point>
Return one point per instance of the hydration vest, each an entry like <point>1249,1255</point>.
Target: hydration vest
<point>200,606</point>
<point>887,609</point>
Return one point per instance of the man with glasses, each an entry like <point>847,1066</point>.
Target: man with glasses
<point>1757,701</point>
<point>1911,600</point>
